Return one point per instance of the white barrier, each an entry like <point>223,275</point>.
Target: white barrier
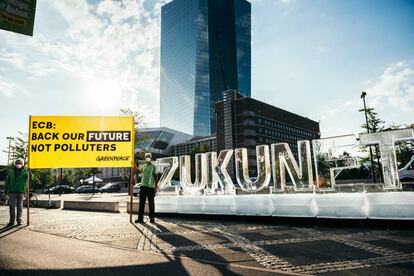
<point>385,205</point>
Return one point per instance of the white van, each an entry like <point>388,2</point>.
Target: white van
<point>407,173</point>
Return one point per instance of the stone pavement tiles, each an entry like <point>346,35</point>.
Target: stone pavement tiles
<point>279,248</point>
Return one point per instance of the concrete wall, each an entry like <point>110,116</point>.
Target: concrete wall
<point>104,206</point>
<point>55,204</point>
<point>135,207</point>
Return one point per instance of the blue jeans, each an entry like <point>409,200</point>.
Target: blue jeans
<point>15,199</point>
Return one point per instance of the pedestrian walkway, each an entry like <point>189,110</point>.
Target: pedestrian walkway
<point>250,247</point>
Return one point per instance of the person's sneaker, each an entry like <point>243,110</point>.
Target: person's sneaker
<point>19,223</point>
<point>139,221</point>
<point>11,223</point>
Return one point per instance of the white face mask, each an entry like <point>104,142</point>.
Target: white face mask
<point>147,159</point>
<point>19,166</point>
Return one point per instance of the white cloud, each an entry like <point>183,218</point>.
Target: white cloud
<point>12,58</point>
<point>112,41</point>
<point>39,69</point>
<point>123,45</point>
<point>395,88</point>
<point>391,94</point>
<point>321,49</point>
<point>7,88</point>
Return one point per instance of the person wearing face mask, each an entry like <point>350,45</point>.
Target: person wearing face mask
<point>16,188</point>
<point>149,182</point>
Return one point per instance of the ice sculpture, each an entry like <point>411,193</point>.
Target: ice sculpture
<point>168,166</point>
<point>300,174</point>
<point>200,173</point>
<point>331,156</point>
<point>386,141</point>
<point>221,174</point>
<point>212,186</point>
<point>341,163</point>
<point>263,169</point>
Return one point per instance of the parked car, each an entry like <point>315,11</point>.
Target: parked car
<point>175,183</point>
<point>111,188</point>
<point>407,172</point>
<point>84,189</point>
<point>61,189</point>
<point>136,189</point>
<point>48,190</point>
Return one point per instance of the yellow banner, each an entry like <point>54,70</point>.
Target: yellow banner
<point>81,142</point>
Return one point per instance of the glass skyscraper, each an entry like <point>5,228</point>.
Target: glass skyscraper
<point>205,49</point>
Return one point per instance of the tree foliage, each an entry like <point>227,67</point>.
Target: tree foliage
<point>375,124</point>
<point>42,178</point>
<point>139,136</point>
<point>404,150</point>
<point>19,147</point>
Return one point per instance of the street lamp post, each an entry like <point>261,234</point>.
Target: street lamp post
<point>60,181</point>
<point>370,149</point>
<point>8,151</point>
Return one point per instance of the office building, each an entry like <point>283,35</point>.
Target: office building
<point>195,145</point>
<point>246,122</point>
<point>159,141</point>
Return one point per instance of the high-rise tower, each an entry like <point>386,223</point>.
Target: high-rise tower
<point>205,50</point>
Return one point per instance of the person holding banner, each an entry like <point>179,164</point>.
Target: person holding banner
<point>16,187</point>
<point>149,186</point>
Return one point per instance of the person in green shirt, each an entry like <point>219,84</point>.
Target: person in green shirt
<point>16,187</point>
<point>149,182</point>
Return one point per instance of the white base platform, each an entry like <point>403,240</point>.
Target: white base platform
<point>386,205</point>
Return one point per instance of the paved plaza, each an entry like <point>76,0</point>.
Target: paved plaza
<point>74,242</point>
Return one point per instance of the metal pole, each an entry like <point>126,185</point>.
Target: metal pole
<point>8,151</point>
<point>60,181</point>
<point>131,187</point>
<point>370,148</point>
<point>50,200</point>
<point>93,182</point>
<point>28,172</point>
<point>132,174</point>
<point>28,196</point>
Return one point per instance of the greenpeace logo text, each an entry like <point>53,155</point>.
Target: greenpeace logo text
<point>112,158</point>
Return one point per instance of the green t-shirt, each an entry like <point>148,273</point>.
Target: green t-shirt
<point>148,175</point>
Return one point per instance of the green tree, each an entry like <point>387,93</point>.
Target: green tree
<point>42,178</point>
<point>375,124</point>
<point>81,174</point>
<point>139,123</point>
<point>138,118</point>
<point>139,136</point>
<point>68,178</point>
<point>404,149</point>
<point>19,148</point>
<point>3,172</point>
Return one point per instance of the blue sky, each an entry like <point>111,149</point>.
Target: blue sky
<point>310,57</point>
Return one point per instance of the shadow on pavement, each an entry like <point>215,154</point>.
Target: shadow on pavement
<point>5,231</point>
<point>5,228</point>
<point>179,240</point>
<point>169,268</point>
<point>176,261</point>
